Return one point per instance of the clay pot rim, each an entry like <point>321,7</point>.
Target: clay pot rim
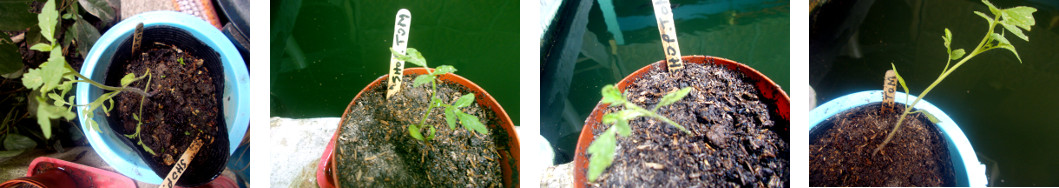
<point>766,87</point>
<point>324,173</point>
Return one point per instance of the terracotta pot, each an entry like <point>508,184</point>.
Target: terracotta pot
<point>326,177</point>
<point>777,100</point>
<point>51,172</point>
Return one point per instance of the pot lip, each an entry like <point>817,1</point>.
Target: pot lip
<point>324,173</point>
<point>235,94</point>
<point>974,171</point>
<point>765,86</point>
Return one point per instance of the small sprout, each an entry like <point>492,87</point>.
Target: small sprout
<point>187,133</point>
<point>1013,20</point>
<point>452,111</point>
<point>181,60</point>
<point>602,149</point>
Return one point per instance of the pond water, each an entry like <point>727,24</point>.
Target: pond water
<point>1006,109</point>
<point>324,52</point>
<point>584,52</point>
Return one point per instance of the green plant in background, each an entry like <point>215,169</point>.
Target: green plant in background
<point>54,79</point>
<point>602,150</point>
<point>1013,20</point>
<point>452,111</point>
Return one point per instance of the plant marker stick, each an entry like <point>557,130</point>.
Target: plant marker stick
<point>889,87</point>
<point>136,38</point>
<point>181,165</point>
<point>664,17</point>
<point>401,27</point>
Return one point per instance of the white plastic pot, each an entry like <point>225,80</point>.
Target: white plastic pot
<point>969,172</point>
<point>235,97</point>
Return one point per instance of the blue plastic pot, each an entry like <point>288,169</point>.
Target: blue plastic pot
<point>969,172</point>
<point>235,97</point>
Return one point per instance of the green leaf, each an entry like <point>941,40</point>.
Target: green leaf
<point>18,142</point>
<point>987,18</point>
<point>53,70</point>
<point>412,56</point>
<point>899,79</point>
<point>673,97</point>
<point>433,131</point>
<point>450,117</point>
<point>1003,43</point>
<point>10,58</point>
<point>99,8</point>
<point>32,79</point>
<point>86,35</point>
<point>47,19</point>
<point>464,101</point>
<point>956,54</point>
<point>612,96</point>
<point>68,16</point>
<point>11,153</point>
<point>413,130</point>
<point>947,38</point>
<point>444,69</point>
<point>929,116</point>
<point>623,128</point>
<point>41,47</point>
<point>148,149</point>
<point>128,79</point>
<point>602,151</point>
<point>472,123</point>
<point>16,15</point>
<point>46,112</point>
<point>993,9</point>
<point>58,100</point>
<point>1020,16</point>
<point>422,79</point>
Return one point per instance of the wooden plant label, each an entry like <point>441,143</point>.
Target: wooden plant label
<point>666,27</point>
<point>401,27</point>
<point>889,87</point>
<point>181,165</point>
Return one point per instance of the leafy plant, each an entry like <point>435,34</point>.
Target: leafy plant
<point>52,81</point>
<point>452,111</point>
<point>1013,20</point>
<point>602,150</point>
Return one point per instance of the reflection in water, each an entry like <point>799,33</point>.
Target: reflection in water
<point>585,55</point>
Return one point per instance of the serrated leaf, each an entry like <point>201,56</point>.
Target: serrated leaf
<point>86,35</point>
<point>422,79</point>
<point>623,128</point>
<point>1005,44</point>
<point>16,15</point>
<point>444,69</point>
<point>1020,16</point>
<point>464,101</point>
<point>993,9</point>
<point>602,151</point>
<point>51,72</point>
<point>41,47</point>
<point>413,130</point>
<point>58,100</point>
<point>99,8</point>
<point>411,56</point>
<point>450,117</point>
<point>673,97</point>
<point>470,122</point>
<point>612,96</point>
<point>18,142</point>
<point>32,79</point>
<point>956,54</point>
<point>47,19</point>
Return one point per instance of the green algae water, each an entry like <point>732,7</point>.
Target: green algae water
<point>1006,109</point>
<point>324,52</point>
<point>584,52</point>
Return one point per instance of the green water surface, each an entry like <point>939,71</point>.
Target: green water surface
<point>1007,110</point>
<point>324,52</point>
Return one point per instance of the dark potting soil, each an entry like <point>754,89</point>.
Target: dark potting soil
<point>734,142</point>
<point>184,105</point>
<point>375,150</point>
<point>841,147</point>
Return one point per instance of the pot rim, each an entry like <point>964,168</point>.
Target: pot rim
<point>326,178</point>
<point>767,88</point>
<point>235,97</point>
<point>969,171</point>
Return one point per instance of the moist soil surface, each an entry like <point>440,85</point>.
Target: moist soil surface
<point>184,105</point>
<point>734,142</point>
<point>374,148</point>
<point>841,147</point>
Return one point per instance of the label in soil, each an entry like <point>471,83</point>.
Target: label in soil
<point>889,87</point>
<point>666,27</point>
<point>181,165</point>
<point>401,27</point>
